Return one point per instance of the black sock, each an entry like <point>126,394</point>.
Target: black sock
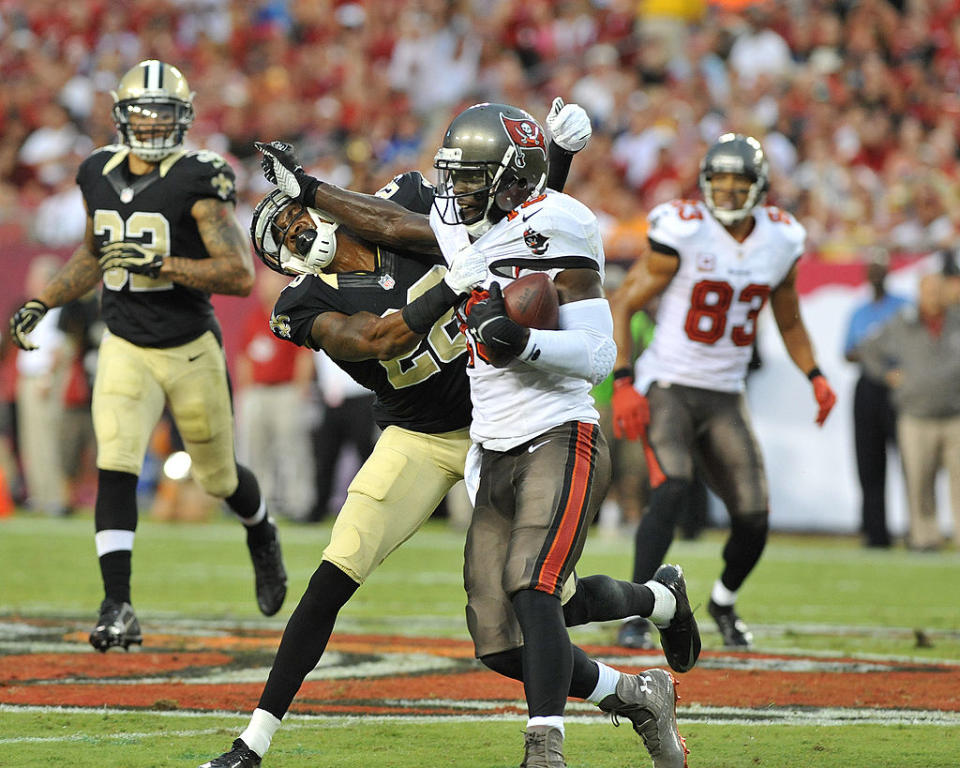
<point>305,637</point>
<point>547,652</point>
<point>245,503</point>
<point>655,532</point>
<point>115,570</point>
<point>586,673</point>
<point>115,509</point>
<point>748,537</point>
<point>602,598</point>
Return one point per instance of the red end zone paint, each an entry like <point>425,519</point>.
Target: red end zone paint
<point>186,679</point>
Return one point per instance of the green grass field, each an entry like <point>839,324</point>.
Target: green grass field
<point>811,596</point>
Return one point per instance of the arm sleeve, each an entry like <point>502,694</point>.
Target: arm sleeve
<point>583,348</point>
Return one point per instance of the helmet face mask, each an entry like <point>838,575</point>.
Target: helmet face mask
<point>153,109</point>
<point>739,166</point>
<point>493,158</point>
<point>290,238</point>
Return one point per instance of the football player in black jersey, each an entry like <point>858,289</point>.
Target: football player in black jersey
<point>162,236</point>
<point>414,360</point>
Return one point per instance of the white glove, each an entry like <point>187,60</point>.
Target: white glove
<point>467,270</point>
<point>569,125</point>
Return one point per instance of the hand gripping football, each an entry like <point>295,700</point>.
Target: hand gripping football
<point>532,301</point>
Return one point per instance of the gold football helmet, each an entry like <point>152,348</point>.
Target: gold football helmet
<point>153,108</point>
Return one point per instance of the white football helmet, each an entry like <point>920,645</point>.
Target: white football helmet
<point>314,247</point>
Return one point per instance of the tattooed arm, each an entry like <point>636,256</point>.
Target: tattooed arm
<point>230,266</point>
<point>77,276</point>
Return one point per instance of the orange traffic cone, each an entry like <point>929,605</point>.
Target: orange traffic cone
<point>6,500</point>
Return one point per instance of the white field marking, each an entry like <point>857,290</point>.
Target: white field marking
<point>587,714</point>
<point>356,624</point>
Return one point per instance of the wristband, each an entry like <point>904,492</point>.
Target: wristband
<point>423,312</point>
<point>814,372</point>
<point>622,373</point>
<point>308,195</point>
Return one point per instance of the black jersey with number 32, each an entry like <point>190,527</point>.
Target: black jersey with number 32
<point>153,210</point>
<point>425,390</point>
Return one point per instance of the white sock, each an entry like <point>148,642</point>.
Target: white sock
<point>721,595</point>
<point>606,684</point>
<point>113,540</point>
<point>664,604</point>
<point>260,731</point>
<point>257,516</point>
<point>554,721</point>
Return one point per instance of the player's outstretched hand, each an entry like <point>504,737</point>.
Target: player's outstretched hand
<point>281,167</point>
<point>631,411</point>
<point>132,257</point>
<point>467,270</point>
<point>24,320</point>
<point>826,398</point>
<point>569,125</point>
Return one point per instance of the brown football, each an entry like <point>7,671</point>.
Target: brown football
<point>532,301</point>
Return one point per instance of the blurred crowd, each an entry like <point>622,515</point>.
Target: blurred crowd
<point>855,101</point>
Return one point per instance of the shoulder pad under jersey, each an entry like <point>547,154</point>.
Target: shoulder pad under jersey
<point>550,232</point>
<point>410,190</point>
<point>786,228</point>
<point>203,173</point>
<point>673,222</point>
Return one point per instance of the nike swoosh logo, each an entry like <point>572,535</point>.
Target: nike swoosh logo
<point>531,215</point>
<point>532,448</point>
<point>191,359</point>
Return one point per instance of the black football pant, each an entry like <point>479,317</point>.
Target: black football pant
<point>874,426</point>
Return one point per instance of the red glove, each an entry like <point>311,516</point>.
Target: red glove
<point>826,398</point>
<point>631,411</point>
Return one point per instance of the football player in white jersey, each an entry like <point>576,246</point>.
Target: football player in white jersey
<point>713,263</point>
<point>540,465</point>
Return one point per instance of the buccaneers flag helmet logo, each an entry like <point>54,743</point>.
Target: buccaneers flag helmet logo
<point>525,135</point>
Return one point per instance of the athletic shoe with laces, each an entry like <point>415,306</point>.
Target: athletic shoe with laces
<point>543,747</point>
<point>241,756</point>
<point>636,634</point>
<point>271,576</point>
<point>732,628</point>
<point>649,701</point>
<point>681,637</point>
<point>117,626</point>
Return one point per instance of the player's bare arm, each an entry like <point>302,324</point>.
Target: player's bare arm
<point>363,336</point>
<point>229,270</point>
<point>373,218</point>
<point>785,305</point>
<point>646,279</point>
<point>377,219</point>
<point>578,284</point>
<point>77,276</point>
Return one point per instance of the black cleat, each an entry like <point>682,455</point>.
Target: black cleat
<point>241,756</point>
<point>681,637</point>
<point>271,576</point>
<point>117,626</point>
<point>636,634</point>
<point>732,628</point>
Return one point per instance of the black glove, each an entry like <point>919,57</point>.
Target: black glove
<point>281,167</point>
<point>132,257</point>
<point>489,322</point>
<point>25,320</point>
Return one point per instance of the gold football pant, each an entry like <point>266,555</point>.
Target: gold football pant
<point>132,386</point>
<point>393,495</point>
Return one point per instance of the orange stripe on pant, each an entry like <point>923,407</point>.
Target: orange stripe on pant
<point>549,577</point>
